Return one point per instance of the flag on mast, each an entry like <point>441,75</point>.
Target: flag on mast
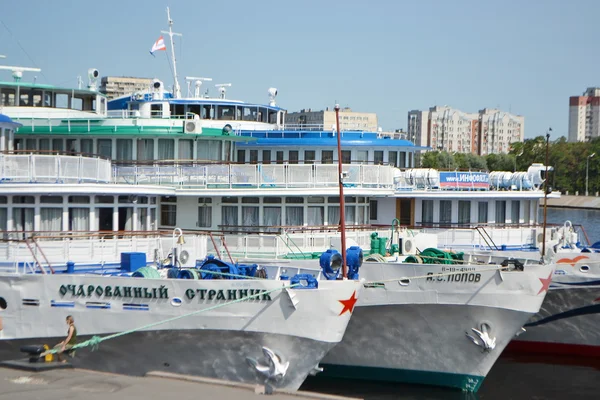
<point>158,45</point>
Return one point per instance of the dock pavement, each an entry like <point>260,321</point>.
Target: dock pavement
<point>71,383</point>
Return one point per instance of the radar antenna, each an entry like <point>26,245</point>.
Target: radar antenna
<point>17,72</point>
<point>222,89</point>
<point>197,82</point>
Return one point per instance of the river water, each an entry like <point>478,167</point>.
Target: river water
<point>512,377</point>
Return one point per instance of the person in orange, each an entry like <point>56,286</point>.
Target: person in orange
<point>70,340</point>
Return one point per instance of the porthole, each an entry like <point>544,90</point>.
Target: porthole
<point>176,302</point>
<point>584,268</point>
<point>3,304</point>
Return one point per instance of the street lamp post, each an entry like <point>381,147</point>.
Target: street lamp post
<point>587,168</point>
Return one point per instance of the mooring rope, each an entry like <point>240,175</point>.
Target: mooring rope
<point>95,341</point>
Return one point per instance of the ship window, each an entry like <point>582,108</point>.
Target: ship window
<point>168,214</point>
<point>77,103</point>
<point>230,200</point>
<point>309,156</point>
<point>327,156</point>
<point>393,158</point>
<point>204,200</point>
<point>253,156</point>
<point>101,199</point>
<point>23,200</point>
<point>225,112</point>
<point>272,218</point>
<point>185,149</point>
<point>58,145</point>
<point>30,144</point>
<point>105,147</point>
<point>266,156</point>
<point>464,212</point>
<point>205,216</point>
<point>515,212</point>
<point>166,149</point>
<point>272,200</point>
<point>378,157</point>
<point>279,157</point>
<point>500,211</point>
<point>3,199</point>
<point>293,157</point>
<point>241,156</point>
<point>316,215</point>
<point>346,157</point>
<point>229,215</point>
<point>249,114</point>
<point>124,149</point>
<point>333,200</point>
<point>87,146</point>
<point>156,110</point>
<point>445,212</point>
<point>84,199</point>
<point>262,115</point>
<point>3,220</point>
<point>8,97</point>
<point>294,200</point>
<point>250,200</point>
<point>37,98</point>
<point>79,219</point>
<point>482,217</point>
<point>51,199</point>
<point>145,149</point>
<point>72,145</point>
<point>427,212</point>
<point>272,116</point>
<point>317,199</point>
<point>61,100</point>
<point>294,216</point>
<point>362,156</point>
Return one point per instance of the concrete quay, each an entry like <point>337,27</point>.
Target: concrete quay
<point>580,202</point>
<point>70,383</point>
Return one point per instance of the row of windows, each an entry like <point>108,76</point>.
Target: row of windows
<point>123,149</point>
<point>49,199</point>
<point>395,158</point>
<point>464,212</point>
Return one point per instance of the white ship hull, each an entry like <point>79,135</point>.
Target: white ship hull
<point>299,325</point>
<point>415,330</point>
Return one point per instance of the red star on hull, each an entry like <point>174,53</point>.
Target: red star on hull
<point>545,283</point>
<point>348,304</point>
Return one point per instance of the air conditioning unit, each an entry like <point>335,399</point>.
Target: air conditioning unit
<point>191,126</point>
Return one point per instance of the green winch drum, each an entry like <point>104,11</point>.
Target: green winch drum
<point>146,272</point>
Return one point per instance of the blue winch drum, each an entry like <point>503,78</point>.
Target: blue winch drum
<point>304,281</point>
<point>188,273</point>
<point>173,273</point>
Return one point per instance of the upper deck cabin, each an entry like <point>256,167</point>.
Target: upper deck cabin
<point>25,100</point>
<point>214,112</point>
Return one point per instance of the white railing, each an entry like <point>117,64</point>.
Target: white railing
<point>238,176</point>
<point>16,257</point>
<point>33,168</point>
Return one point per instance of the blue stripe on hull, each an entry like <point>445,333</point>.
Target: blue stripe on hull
<point>469,383</point>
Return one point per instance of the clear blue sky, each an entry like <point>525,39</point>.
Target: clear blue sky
<point>387,57</point>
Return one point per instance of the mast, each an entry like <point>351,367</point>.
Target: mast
<point>176,88</point>
<point>545,196</point>
<point>342,202</point>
